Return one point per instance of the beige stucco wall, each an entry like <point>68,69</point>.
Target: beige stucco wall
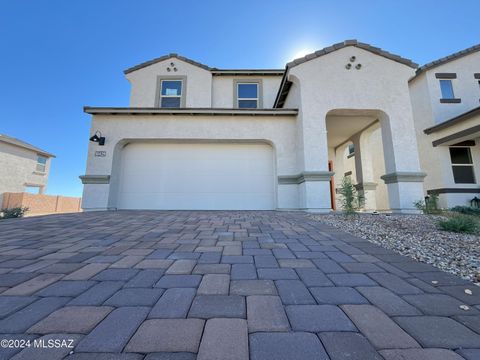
<point>144,84</point>
<point>17,169</point>
<point>279,131</point>
<point>223,91</point>
<point>324,84</point>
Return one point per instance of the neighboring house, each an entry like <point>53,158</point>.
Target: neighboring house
<point>23,167</point>
<point>196,137</point>
<point>445,96</point>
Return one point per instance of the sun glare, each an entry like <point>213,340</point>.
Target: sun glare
<point>301,53</point>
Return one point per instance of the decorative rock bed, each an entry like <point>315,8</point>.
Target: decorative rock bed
<point>416,236</point>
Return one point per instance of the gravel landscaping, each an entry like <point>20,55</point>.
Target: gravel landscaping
<point>416,236</point>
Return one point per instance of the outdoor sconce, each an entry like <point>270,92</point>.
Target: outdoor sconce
<point>475,202</point>
<point>98,138</point>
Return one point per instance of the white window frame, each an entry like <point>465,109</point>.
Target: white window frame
<point>471,164</point>
<point>41,167</point>
<point>258,99</point>
<point>180,97</point>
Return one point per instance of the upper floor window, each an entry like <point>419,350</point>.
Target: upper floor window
<point>462,165</point>
<point>447,89</point>
<point>171,93</point>
<point>41,163</point>
<point>248,95</point>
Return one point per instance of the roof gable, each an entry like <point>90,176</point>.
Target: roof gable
<point>23,144</point>
<point>355,43</point>
<point>166,57</point>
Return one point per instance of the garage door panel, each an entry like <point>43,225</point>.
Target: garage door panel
<point>197,176</point>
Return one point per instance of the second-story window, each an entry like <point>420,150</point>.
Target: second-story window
<point>447,89</point>
<point>247,95</point>
<point>171,93</point>
<point>41,164</point>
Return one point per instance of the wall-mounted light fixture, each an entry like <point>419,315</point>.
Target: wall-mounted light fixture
<point>98,138</point>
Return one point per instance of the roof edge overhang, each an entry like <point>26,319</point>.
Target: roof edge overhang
<point>28,147</point>
<point>188,111</point>
<point>453,121</point>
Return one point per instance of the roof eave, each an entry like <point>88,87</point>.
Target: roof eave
<point>453,121</point>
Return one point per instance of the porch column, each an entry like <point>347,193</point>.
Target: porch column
<point>403,177</point>
<point>366,186</point>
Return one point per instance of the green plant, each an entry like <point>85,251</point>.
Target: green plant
<point>350,199</point>
<point>429,206</point>
<point>467,210</point>
<point>17,212</point>
<point>459,224</point>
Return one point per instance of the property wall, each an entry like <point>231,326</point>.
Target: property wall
<point>17,169</point>
<point>279,131</point>
<point>40,204</point>
<point>223,93</point>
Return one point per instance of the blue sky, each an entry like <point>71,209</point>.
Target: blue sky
<point>57,56</point>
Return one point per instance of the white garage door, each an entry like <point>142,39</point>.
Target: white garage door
<point>196,177</point>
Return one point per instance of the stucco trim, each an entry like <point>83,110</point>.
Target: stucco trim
<point>366,186</point>
<point>95,179</point>
<point>403,176</point>
<point>187,111</point>
<point>457,135</point>
<point>453,121</point>
<point>450,101</point>
<point>476,75</point>
<point>245,72</point>
<point>445,75</point>
<point>305,176</point>
<point>454,191</point>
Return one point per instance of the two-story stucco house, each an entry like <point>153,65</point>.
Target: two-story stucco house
<point>196,137</point>
<point>23,167</point>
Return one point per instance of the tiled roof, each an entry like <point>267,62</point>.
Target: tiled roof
<point>453,121</point>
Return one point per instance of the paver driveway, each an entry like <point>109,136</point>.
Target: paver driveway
<point>222,285</point>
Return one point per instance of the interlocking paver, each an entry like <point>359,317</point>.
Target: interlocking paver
<point>252,287</point>
<point>177,281</point>
<point>387,301</point>
<point>135,297</point>
<point>97,294</point>
<point>318,318</point>
<point>114,331</point>
<point>420,354</point>
<point>348,346</point>
<point>243,272</point>
<point>294,292</point>
<point>212,306</point>
<point>10,304</point>
<point>173,335</point>
<point>49,353</point>
<point>441,332</point>
<point>21,320</point>
<point>33,285</point>
<point>181,267</point>
<point>71,320</point>
<point>382,332</point>
<point>224,339</point>
<point>337,295</point>
<point>253,265</point>
<point>214,284</point>
<point>286,346</point>
<point>266,313</point>
<point>174,303</point>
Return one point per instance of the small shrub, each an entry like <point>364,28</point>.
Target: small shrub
<point>351,200</point>
<point>467,210</point>
<point>429,206</point>
<point>17,212</point>
<point>459,224</point>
